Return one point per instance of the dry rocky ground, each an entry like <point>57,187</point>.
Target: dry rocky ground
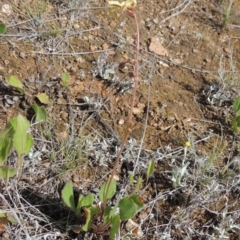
<point>189,77</point>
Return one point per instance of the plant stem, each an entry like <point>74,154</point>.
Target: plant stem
<point>132,13</point>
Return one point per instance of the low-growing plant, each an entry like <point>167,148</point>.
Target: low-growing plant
<point>3,28</point>
<point>236,110</point>
<point>227,12</point>
<point>110,217</point>
<point>14,136</point>
<point>179,173</point>
<point>64,78</point>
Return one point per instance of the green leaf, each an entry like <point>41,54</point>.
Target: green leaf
<point>129,206</point>
<point>12,219</point>
<point>84,202</point>
<point>137,200</point>
<point>41,114</point>
<point>28,144</point>
<point>43,98</point>
<point>68,197</point>
<point>22,141</point>
<point>15,82</point>
<point>115,226</point>
<point>87,200</point>
<point>89,212</point>
<point>65,78</point>
<point>2,214</point>
<point>7,172</point>
<point>5,145</point>
<point>238,121</point>
<point>3,28</point>
<point>111,190</point>
<point>236,105</point>
<point>150,169</point>
<point>234,126</point>
<point>79,206</point>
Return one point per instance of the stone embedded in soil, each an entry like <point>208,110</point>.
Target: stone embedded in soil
<point>76,26</point>
<point>156,47</point>
<point>226,50</point>
<point>121,121</point>
<point>64,116</point>
<point>105,46</point>
<point>177,61</point>
<point>6,9</point>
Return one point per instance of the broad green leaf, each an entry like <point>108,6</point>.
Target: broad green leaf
<point>15,82</point>
<point>115,226</point>
<point>89,212</point>
<point>41,114</point>
<point>3,28</point>
<point>7,172</point>
<point>137,200</point>
<point>5,145</point>
<point>22,141</point>
<point>84,202</point>
<point>68,197</point>
<point>87,200</point>
<point>65,78</point>
<point>28,145</point>
<point>111,190</point>
<point>150,169</point>
<point>129,206</point>
<point>43,98</point>
<point>236,105</point>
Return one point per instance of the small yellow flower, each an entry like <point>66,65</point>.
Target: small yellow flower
<point>125,4</point>
<point>187,144</point>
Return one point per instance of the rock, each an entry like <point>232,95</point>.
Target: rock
<point>121,121</point>
<point>207,60</point>
<point>156,47</point>
<point>5,235</point>
<point>92,48</point>
<point>226,50</point>
<point>22,55</point>
<point>195,50</point>
<point>113,24</point>
<point>61,100</point>
<point>64,116</point>
<point>105,46</point>
<point>76,26</point>
<point>177,61</point>
<point>6,9</point>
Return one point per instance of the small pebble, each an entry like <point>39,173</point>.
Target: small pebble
<point>76,26</point>
<point>5,235</point>
<point>105,46</point>
<point>226,50</point>
<point>121,121</point>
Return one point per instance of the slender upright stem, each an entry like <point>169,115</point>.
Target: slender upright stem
<point>132,13</point>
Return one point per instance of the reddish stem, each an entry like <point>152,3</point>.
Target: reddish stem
<point>131,12</point>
